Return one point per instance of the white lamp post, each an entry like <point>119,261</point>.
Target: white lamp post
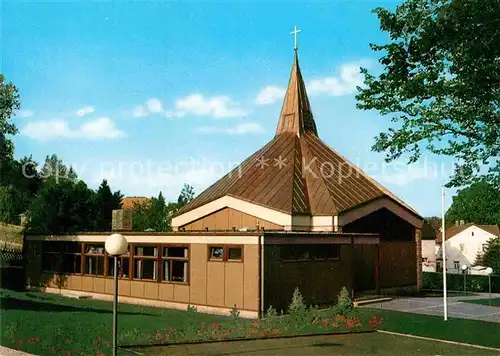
<point>116,245</point>
<point>489,271</point>
<point>464,271</point>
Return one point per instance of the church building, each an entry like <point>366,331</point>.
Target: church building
<point>294,214</point>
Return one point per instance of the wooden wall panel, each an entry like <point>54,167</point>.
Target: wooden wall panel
<point>110,285</point>
<point>251,277</point>
<point>234,284</point>
<point>137,289</point>
<point>181,293</point>
<point>151,290</point>
<point>99,285</point>
<point>198,274</point>
<point>215,284</point>
<point>75,282</point>
<point>166,292</point>
<point>88,284</point>
<point>124,287</point>
<point>227,218</point>
<point>398,265</point>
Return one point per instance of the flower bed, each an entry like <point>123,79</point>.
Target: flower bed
<point>240,329</point>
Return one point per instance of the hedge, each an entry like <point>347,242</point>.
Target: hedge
<point>455,282</point>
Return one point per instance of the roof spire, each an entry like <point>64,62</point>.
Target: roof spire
<point>296,115</point>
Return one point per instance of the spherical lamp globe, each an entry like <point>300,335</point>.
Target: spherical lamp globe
<point>489,270</point>
<point>464,267</point>
<point>116,245</point>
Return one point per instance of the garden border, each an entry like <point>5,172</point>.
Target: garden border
<point>197,342</point>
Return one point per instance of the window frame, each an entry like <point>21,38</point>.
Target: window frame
<point>455,264</point>
<point>225,252</point>
<point>108,268</point>
<point>62,254</point>
<point>84,260</point>
<point>171,259</point>
<point>141,257</point>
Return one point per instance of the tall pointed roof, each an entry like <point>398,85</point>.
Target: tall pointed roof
<point>296,115</point>
<point>297,173</point>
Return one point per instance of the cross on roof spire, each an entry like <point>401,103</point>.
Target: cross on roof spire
<point>294,33</point>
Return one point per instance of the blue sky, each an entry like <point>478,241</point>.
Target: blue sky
<point>154,94</point>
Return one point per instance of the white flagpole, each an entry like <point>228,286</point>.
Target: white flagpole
<point>443,249</point>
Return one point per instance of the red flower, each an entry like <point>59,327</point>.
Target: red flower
<point>255,324</point>
<point>350,324</point>
<point>33,340</point>
<point>214,325</point>
<point>335,325</point>
<point>19,343</point>
<point>263,333</point>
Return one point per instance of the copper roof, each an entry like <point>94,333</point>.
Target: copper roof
<point>129,202</point>
<point>296,172</point>
<point>456,229</point>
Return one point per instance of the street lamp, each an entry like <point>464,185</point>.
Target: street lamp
<point>464,271</point>
<point>489,271</point>
<point>115,245</point>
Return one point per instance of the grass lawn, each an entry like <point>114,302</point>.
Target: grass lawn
<point>494,301</point>
<point>347,344</point>
<point>47,324</point>
<point>460,330</point>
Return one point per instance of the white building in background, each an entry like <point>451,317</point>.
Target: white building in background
<point>463,244</point>
<point>429,252</point>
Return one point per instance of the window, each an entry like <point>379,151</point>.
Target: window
<point>472,233</point>
<point>456,264</point>
<point>438,265</point>
<point>310,252</point>
<point>217,253</point>
<point>485,247</point>
<point>146,262</point>
<point>226,253</point>
<point>234,254</point>
<point>175,264</point>
<point>94,259</point>
<point>62,256</point>
<point>123,265</point>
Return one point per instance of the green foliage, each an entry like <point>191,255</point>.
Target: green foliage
<point>344,302</point>
<point>272,317</point>
<point>186,195</point>
<point>455,282</point>
<point>191,309</point>
<point>440,84</point>
<point>431,227</point>
<point>105,202</point>
<point>9,101</point>
<point>297,307</point>
<point>491,257</point>
<point>234,313</point>
<point>479,203</point>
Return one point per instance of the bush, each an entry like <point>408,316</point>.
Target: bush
<point>344,303</point>
<point>234,313</point>
<point>455,282</point>
<point>297,308</point>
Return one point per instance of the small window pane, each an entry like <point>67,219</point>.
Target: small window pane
<point>73,247</point>
<point>166,270</point>
<point>175,252</point>
<point>123,266</point>
<point>145,269</point>
<point>179,271</point>
<point>71,263</point>
<point>94,265</point>
<point>216,253</point>
<point>234,253</point>
<point>94,249</point>
<point>146,251</point>
<point>51,262</point>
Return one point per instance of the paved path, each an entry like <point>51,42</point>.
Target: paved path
<point>457,307</point>
<point>5,351</point>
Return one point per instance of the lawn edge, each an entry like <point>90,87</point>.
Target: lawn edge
<point>244,339</point>
<point>439,340</point>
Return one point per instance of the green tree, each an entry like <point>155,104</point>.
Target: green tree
<point>479,203</point>
<point>9,102</point>
<point>440,84</point>
<point>186,195</point>
<point>491,257</point>
<point>431,227</point>
<point>54,169</point>
<point>105,202</point>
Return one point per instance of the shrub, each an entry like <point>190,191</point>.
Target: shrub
<point>297,308</point>
<point>234,313</point>
<point>191,309</point>
<point>344,302</point>
<point>455,282</point>
<point>272,317</point>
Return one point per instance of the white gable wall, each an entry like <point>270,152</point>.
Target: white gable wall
<point>463,247</point>
<point>429,255</point>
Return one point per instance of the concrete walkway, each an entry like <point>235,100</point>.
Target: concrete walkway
<point>5,351</point>
<point>457,307</point>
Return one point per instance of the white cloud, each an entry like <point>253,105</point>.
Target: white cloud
<point>199,105</point>
<point>407,174</point>
<point>99,129</point>
<point>25,113</point>
<point>241,129</point>
<point>344,84</point>
<point>85,110</point>
<point>269,95</point>
<point>154,105</point>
